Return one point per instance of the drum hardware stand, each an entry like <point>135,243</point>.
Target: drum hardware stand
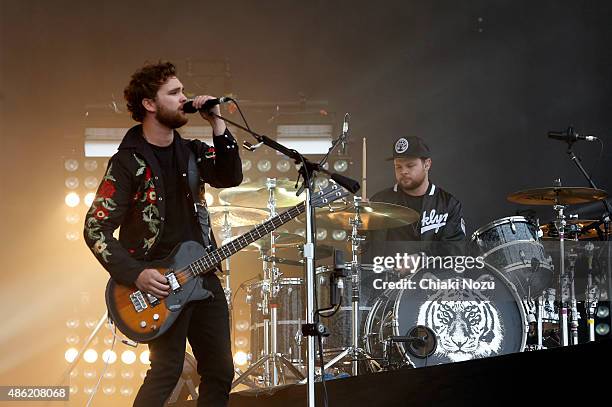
<point>271,359</point>
<point>592,293</point>
<point>354,350</point>
<point>572,256</point>
<point>307,171</point>
<point>560,225</point>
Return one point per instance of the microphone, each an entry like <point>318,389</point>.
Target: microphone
<point>570,136</point>
<point>345,127</point>
<point>209,104</point>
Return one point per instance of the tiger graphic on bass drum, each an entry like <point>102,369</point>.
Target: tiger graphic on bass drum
<point>466,322</point>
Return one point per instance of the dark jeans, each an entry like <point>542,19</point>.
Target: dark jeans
<point>206,324</point>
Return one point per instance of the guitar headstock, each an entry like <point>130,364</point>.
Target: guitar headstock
<point>332,192</point>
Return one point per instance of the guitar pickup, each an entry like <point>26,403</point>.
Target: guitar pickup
<point>138,301</point>
<point>153,300</point>
<point>174,285</point>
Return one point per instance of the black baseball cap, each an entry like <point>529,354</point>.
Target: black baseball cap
<point>412,146</point>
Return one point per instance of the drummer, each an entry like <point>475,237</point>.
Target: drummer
<point>441,218</point>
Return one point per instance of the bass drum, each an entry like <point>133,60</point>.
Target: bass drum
<point>474,314</point>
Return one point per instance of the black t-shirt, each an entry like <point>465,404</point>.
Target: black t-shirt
<point>179,225</point>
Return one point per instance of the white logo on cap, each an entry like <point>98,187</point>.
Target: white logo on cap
<point>401,146</point>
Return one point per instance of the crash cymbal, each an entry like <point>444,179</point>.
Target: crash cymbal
<point>257,194</point>
<point>283,240</point>
<point>557,196</point>
<point>573,230</point>
<point>374,215</point>
<point>236,216</point>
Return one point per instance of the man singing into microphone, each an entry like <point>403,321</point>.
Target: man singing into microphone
<point>150,191</point>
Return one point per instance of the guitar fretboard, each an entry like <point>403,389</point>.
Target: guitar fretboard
<point>209,261</point>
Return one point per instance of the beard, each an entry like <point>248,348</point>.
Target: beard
<point>411,183</point>
<point>171,119</point>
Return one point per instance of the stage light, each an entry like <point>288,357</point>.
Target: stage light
<point>108,340</point>
<point>88,389</point>
<point>72,236</point>
<point>89,373</point>
<point>126,391</point>
<point>242,325</point>
<point>127,374</point>
<point>246,180</point>
<point>90,165</point>
<point>70,355</point>
<point>209,198</point>
<point>144,357</point>
<point>241,342</point>
<point>74,389</point>
<point>90,356</point>
<point>71,165</point>
<point>72,199</point>
<point>89,198</point>
<point>128,357</point>
<point>90,323</point>
<point>246,165</point>
<point>301,232</point>
<point>341,166</point>
<point>602,329</point>
<point>339,234</point>
<point>283,165</point>
<point>110,374</point>
<point>109,356</point>
<point>240,358</point>
<point>74,373</point>
<point>90,182</point>
<point>72,323</point>
<point>264,165</point>
<point>72,339</point>
<point>603,311</point>
<point>109,390</point>
<point>321,183</point>
<point>143,374</point>
<point>72,182</point>
<point>72,218</point>
<point>321,234</point>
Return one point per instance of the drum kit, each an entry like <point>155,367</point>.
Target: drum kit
<point>533,304</point>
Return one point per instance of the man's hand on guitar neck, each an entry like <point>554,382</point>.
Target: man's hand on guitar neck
<point>152,282</point>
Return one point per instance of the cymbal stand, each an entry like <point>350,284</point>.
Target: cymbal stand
<point>271,360</point>
<point>563,278</point>
<point>572,256</point>
<point>592,293</point>
<point>354,350</point>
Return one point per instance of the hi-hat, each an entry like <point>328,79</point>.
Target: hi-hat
<point>557,196</point>
<point>236,216</point>
<point>373,215</point>
<point>257,194</point>
<point>573,230</point>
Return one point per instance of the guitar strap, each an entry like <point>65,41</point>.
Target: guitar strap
<point>193,178</point>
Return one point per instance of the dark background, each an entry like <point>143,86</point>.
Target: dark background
<point>481,81</point>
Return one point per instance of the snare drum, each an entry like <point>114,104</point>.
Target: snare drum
<point>468,322</point>
<point>512,245</point>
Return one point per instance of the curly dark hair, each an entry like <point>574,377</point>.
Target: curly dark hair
<point>144,84</point>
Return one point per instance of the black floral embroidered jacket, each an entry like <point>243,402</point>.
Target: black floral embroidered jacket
<point>130,197</point>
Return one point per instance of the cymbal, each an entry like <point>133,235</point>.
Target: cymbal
<point>236,216</point>
<point>557,196</point>
<point>374,215</point>
<point>572,230</point>
<point>283,240</point>
<point>256,194</point>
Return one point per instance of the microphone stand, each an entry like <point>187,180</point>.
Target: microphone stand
<point>307,171</point>
<point>605,217</point>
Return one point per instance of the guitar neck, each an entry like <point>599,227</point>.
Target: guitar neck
<point>208,262</point>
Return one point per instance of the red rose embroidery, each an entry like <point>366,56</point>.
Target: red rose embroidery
<point>210,153</point>
<point>101,213</point>
<point>107,189</point>
<point>151,195</point>
<point>147,173</point>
